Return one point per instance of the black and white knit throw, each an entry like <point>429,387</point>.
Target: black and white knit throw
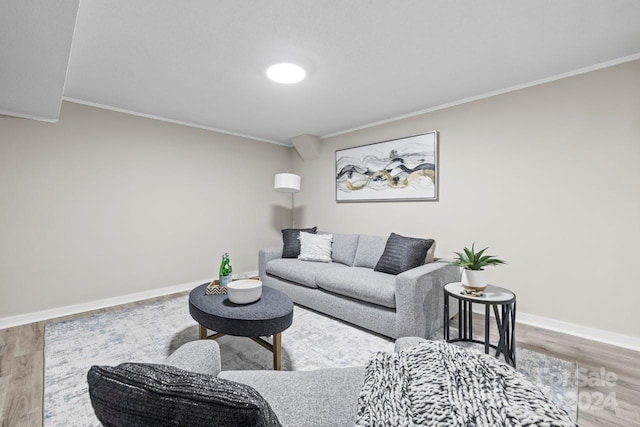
<point>439,384</point>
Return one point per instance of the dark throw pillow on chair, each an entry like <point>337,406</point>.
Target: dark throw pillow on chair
<point>291,240</point>
<point>402,254</point>
<point>139,394</point>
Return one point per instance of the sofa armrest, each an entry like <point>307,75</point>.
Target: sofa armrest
<point>266,255</point>
<point>420,298</point>
<point>202,356</point>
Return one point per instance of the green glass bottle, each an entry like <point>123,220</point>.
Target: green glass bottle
<point>225,271</point>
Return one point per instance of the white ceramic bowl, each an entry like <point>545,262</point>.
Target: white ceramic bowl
<point>244,291</point>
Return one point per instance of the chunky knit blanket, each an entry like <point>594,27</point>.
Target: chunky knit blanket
<point>439,384</point>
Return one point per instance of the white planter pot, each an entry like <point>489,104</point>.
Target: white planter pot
<point>474,279</point>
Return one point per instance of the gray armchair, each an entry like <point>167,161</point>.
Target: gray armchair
<point>191,389</point>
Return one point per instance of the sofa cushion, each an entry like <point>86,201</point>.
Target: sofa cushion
<point>291,241</point>
<point>324,397</point>
<point>360,283</point>
<point>315,247</point>
<point>403,253</point>
<point>370,249</point>
<point>295,270</point>
<point>344,248</point>
<point>137,394</point>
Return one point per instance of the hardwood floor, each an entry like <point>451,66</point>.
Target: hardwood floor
<point>609,376</point>
<point>609,389</point>
<point>21,375</point>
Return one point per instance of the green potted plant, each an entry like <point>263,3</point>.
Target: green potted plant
<point>473,263</point>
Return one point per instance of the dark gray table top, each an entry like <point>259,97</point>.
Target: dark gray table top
<point>271,314</point>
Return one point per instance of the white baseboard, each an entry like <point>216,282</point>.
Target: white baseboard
<point>606,337</point>
<point>620,340</point>
<point>38,316</point>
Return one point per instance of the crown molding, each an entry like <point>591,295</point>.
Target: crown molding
<point>177,122</point>
<point>491,94</point>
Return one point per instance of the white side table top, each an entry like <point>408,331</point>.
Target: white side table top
<point>492,294</point>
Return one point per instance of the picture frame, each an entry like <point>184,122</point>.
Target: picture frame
<point>402,169</point>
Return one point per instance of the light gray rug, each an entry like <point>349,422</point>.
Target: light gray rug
<point>150,332</point>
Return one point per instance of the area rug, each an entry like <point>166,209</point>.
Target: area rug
<point>152,331</point>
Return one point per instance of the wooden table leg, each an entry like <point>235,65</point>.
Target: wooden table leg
<point>277,351</point>
<point>203,332</point>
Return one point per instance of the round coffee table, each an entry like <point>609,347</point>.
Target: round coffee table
<point>494,296</point>
<point>270,315</point>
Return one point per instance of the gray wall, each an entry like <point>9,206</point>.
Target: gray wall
<point>104,204</point>
<point>547,176</point>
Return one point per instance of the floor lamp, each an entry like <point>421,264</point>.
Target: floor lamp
<point>287,183</point>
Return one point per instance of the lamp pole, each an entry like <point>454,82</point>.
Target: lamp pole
<point>288,183</point>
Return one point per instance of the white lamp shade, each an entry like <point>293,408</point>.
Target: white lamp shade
<point>287,183</point>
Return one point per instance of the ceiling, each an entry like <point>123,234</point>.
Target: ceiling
<point>35,42</point>
<point>203,62</point>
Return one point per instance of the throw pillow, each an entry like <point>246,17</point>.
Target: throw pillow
<point>402,254</point>
<point>431,253</point>
<point>137,394</point>
<point>315,247</point>
<point>290,238</point>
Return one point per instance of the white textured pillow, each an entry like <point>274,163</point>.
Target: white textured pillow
<point>431,253</point>
<point>315,247</point>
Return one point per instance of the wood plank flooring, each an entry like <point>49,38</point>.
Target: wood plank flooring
<point>21,375</point>
<point>609,376</point>
<point>616,403</point>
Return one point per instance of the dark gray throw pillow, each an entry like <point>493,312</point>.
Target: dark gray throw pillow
<point>138,394</point>
<point>402,254</point>
<point>291,240</point>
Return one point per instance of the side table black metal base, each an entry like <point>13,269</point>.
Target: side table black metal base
<point>503,303</point>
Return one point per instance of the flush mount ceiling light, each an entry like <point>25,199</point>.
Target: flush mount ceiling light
<point>286,73</point>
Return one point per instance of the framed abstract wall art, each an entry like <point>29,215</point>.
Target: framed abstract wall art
<point>402,169</point>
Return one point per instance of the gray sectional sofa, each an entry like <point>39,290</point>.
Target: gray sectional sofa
<point>407,304</point>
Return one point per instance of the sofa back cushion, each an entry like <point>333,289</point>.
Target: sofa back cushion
<point>344,248</point>
<point>370,249</point>
<point>403,253</point>
<point>136,394</point>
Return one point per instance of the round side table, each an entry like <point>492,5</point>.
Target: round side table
<point>503,302</point>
